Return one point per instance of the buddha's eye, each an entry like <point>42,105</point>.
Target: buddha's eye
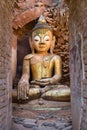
<point>46,38</point>
<point>37,38</point>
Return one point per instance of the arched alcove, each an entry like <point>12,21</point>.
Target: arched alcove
<point>60,13</point>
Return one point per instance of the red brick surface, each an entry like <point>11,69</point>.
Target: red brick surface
<point>5,70</point>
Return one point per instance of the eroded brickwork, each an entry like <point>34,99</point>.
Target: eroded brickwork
<point>84,83</point>
<point>5,69</point>
<point>78,62</point>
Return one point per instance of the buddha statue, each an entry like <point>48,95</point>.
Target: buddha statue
<point>42,70</point>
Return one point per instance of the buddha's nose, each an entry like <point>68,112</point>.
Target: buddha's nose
<point>42,41</point>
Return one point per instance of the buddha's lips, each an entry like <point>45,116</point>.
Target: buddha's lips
<point>42,46</point>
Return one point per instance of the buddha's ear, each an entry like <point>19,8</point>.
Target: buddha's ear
<point>52,44</point>
<point>31,44</point>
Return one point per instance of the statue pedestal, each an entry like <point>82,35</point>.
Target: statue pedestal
<point>47,105</point>
<point>34,106</point>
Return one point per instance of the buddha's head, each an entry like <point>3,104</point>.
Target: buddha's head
<point>42,39</point>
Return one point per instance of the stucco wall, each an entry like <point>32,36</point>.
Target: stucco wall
<point>5,71</point>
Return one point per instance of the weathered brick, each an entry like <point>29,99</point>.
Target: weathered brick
<point>78,62</point>
<point>5,55</point>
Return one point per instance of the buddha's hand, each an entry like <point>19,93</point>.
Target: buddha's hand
<point>23,90</point>
<point>42,82</point>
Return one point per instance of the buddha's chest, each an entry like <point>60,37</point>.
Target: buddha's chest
<point>42,68</point>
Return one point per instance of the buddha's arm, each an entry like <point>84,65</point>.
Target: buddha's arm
<point>57,70</point>
<point>23,85</point>
<point>26,70</point>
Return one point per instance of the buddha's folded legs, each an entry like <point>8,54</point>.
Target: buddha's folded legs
<point>60,93</point>
<point>52,92</point>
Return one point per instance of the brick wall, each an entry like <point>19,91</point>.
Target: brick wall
<point>84,82</point>
<point>5,73</point>
<point>78,63</point>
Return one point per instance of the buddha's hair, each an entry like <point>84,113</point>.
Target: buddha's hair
<point>42,24</point>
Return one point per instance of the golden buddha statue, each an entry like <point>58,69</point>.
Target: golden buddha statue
<point>43,68</point>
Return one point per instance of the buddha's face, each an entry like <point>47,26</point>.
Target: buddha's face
<point>42,39</point>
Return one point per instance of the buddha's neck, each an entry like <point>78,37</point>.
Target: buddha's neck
<point>42,53</point>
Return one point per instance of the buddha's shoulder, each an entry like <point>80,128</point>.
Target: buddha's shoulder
<point>54,56</point>
<point>29,56</point>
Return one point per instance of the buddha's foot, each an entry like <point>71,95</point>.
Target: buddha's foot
<point>47,88</point>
